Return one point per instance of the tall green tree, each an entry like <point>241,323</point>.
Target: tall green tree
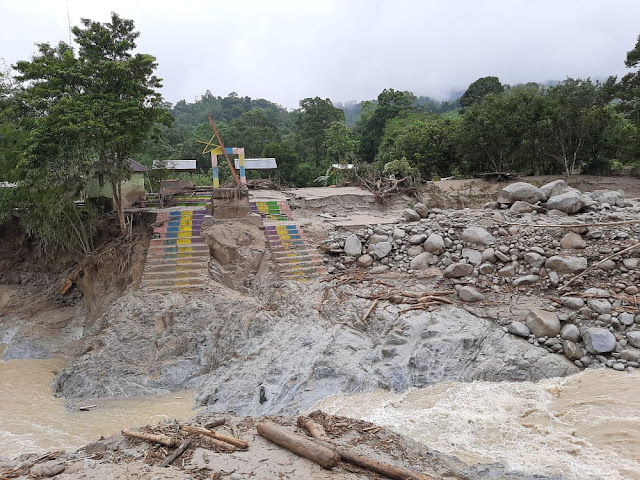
<point>629,87</point>
<point>479,89</point>
<point>314,119</point>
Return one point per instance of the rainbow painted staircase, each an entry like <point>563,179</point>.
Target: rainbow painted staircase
<point>272,210</point>
<point>177,257</point>
<point>295,257</point>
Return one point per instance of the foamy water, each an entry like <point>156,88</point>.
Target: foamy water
<point>33,420</point>
<point>586,426</point>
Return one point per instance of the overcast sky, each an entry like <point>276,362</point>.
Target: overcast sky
<point>286,50</point>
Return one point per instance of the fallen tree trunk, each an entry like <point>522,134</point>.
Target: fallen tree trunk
<point>236,442</point>
<point>151,437</point>
<point>176,453</point>
<point>324,456</point>
<point>391,471</point>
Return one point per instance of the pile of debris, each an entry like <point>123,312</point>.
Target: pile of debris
<point>583,270</point>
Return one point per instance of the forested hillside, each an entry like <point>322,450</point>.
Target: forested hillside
<point>73,112</point>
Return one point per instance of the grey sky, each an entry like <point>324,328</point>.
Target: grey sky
<point>286,50</point>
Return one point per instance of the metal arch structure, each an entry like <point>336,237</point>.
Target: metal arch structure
<point>219,148</point>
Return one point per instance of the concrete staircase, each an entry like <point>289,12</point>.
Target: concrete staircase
<point>296,259</point>
<point>272,210</point>
<point>177,258</point>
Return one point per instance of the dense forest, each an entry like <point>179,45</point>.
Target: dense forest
<point>72,112</point>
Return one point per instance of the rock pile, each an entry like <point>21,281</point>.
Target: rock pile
<point>484,254</point>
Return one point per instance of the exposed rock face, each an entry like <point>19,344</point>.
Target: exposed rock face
<point>521,191</point>
<point>599,340</point>
<point>353,246</point>
<point>478,236</point>
<point>570,202</point>
<point>543,323</point>
<point>227,351</point>
<point>566,264</point>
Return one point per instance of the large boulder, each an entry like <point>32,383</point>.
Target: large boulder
<point>634,338</point>
<point>434,244</point>
<point>478,236</point>
<point>566,264</point>
<point>612,197</point>
<point>599,340</point>
<point>554,188</point>
<point>542,323</point>
<point>382,249</point>
<point>353,246</point>
<point>521,191</point>
<point>521,207</point>
<point>570,332</point>
<point>411,215</point>
<point>569,202</point>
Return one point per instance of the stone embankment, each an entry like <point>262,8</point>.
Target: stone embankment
<point>569,257</point>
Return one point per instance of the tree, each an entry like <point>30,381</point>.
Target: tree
<point>119,89</point>
<point>339,144</point>
<point>479,89</point>
<point>314,119</point>
<point>391,104</point>
<point>629,87</point>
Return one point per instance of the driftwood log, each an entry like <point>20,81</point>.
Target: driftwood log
<point>391,471</point>
<point>176,453</point>
<point>151,437</point>
<point>212,434</point>
<point>324,456</point>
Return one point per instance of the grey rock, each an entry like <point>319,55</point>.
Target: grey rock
<point>365,260</point>
<point>414,250</point>
<point>411,215</point>
<point>477,236</point>
<point>501,256</point>
<point>521,191</point>
<point>634,338</point>
<point>574,303</point>
<point>597,292</point>
<point>543,323</point>
<point>630,355</point>
<point>383,249</point>
<point>611,197</point>
<point>489,256</point>
<point>470,295</point>
<point>421,209</point>
<point>599,340</point>
<point>458,270</point>
<point>554,188</point>
<point>417,239</point>
<point>398,234</point>
<point>422,261</point>
<point>566,264</point>
<point>521,207</point>
<point>570,332</point>
<point>572,350</point>
<point>473,256</point>
<point>534,259</point>
<point>599,305</point>
<point>630,263</point>
<point>573,240</point>
<point>569,202</point>
<point>353,246</point>
<point>485,268</point>
<point>526,280</point>
<point>519,328</point>
<point>508,271</point>
<point>554,280</point>
<point>380,269</point>
<point>626,318</point>
<point>607,265</point>
<point>377,238</point>
<point>434,244</point>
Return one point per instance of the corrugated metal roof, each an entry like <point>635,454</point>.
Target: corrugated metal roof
<point>174,164</point>
<point>136,167</point>
<point>258,163</point>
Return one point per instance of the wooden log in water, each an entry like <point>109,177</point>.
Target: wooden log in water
<point>320,454</point>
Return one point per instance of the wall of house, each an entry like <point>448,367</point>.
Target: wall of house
<point>132,189</point>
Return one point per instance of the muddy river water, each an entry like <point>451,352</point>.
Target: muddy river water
<point>586,426</point>
<point>33,420</point>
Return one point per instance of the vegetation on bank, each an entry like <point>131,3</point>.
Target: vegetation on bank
<point>73,112</point>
